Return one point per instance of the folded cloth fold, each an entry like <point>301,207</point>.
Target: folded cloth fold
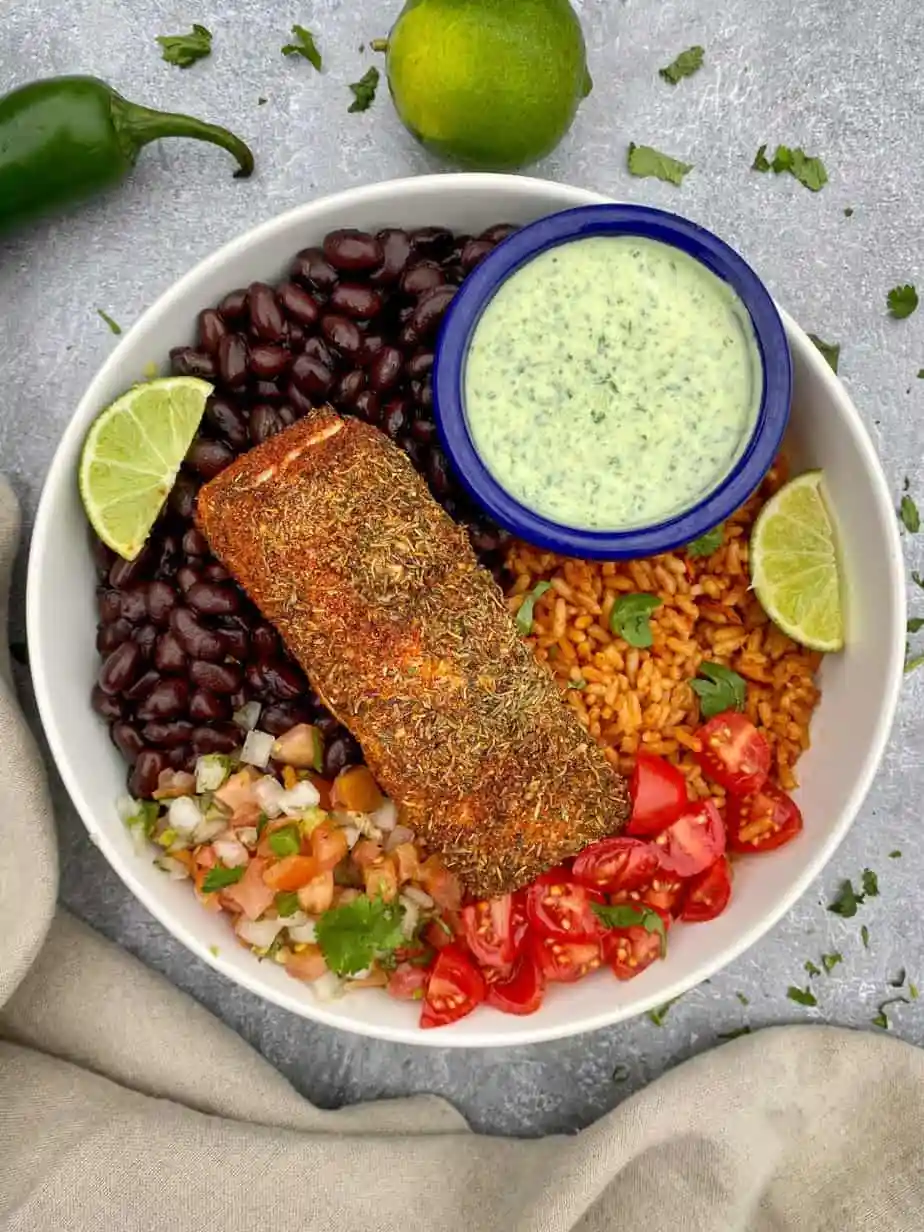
<point>124,1105</point>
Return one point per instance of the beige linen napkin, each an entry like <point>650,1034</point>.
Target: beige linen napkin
<point>124,1106</point>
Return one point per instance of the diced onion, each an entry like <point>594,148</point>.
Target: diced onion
<point>400,834</point>
<point>302,796</point>
<point>211,771</point>
<point>327,987</point>
<point>127,808</point>
<point>385,816</point>
<point>231,852</point>
<point>268,793</point>
<point>248,716</point>
<point>176,869</point>
<point>411,917</point>
<point>351,833</point>
<point>261,933</point>
<point>302,933</point>
<point>209,829</point>
<point>257,748</point>
<point>418,896</point>
<point>184,814</point>
<point>248,835</point>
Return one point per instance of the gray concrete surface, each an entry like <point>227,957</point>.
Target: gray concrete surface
<point>839,77</point>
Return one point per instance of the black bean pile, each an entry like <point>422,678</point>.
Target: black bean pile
<point>353,326</point>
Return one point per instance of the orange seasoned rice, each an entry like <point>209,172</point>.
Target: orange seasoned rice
<point>632,698</point>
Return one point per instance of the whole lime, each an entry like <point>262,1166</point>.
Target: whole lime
<point>491,84</point>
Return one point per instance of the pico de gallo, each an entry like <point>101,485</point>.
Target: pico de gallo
<point>322,878</point>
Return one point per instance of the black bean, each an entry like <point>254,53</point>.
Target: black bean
<point>148,767</point>
<point>109,605</point>
<point>395,416</point>
<point>108,637</point>
<point>167,735</point>
<point>253,674</point>
<point>205,707</point>
<point>317,348</point>
<point>355,300</point>
<point>212,599</point>
<point>368,406</point>
<point>126,572</point>
<point>351,250</point>
<point>208,458</point>
<point>195,543</point>
<point>438,472</point>
<point>415,451</point>
<point>234,306</point>
<point>265,421</point>
<point>300,402</point>
<point>474,253</point>
<point>233,354</point>
<point>424,431</point>
<point>283,680</point>
<point>483,539</point>
<point>419,365</point>
<point>430,309</point>
<point>434,241</point>
<point>348,388</point>
<point>215,572</point>
<point>422,393</point>
<point>218,739</point>
<point>227,419</point>
<point>103,557</point>
<point>342,333</point>
<point>311,266</point>
<point>216,677</point>
<point>287,414</point>
<point>373,345</point>
<point>282,717</point>
<point>182,758</point>
<point>169,655</point>
<point>408,338</point>
<point>167,700</point>
<point>160,600</point>
<point>420,278</point>
<point>312,377</point>
<point>142,686</point>
<point>186,361</point>
<point>295,336</point>
<point>182,498</point>
<point>210,329</point>
<point>299,304</point>
<point>120,668</point>
<point>186,576</point>
<point>146,638</point>
<point>327,725</point>
<point>196,640</point>
<point>168,556</point>
<point>236,637</point>
<point>385,371</point>
<point>265,641</point>
<point>269,361</point>
<point>497,233</point>
<point>127,740</point>
<point>267,321</point>
<point>339,753</point>
<point>133,605</point>
<point>396,250</point>
<point>106,704</point>
<point>455,274</point>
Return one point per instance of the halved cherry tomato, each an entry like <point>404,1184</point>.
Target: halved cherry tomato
<point>564,962</point>
<point>408,983</point>
<point>616,864</point>
<point>761,822</point>
<point>521,991</point>
<point>630,950</point>
<point>659,795</point>
<point>558,907</point>
<point>494,929</point>
<point>663,893</point>
<point>733,753</point>
<point>456,987</point>
<point>693,841</point>
<point>708,893</point>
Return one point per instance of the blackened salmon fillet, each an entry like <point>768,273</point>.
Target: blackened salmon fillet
<point>378,595</point>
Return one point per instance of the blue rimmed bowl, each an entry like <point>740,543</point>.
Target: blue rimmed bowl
<point>595,221</point>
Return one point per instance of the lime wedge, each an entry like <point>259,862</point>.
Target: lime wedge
<point>794,565</point>
<point>131,457</point>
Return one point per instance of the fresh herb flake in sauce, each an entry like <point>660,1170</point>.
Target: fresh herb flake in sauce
<point>645,161</point>
<point>685,65</point>
<point>612,382</point>
<point>630,618</point>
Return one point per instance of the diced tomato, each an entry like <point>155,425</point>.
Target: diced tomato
<point>616,864</point>
<point>693,841</point>
<point>630,950</point>
<point>324,789</point>
<point>408,983</point>
<point>494,930</point>
<point>251,894</point>
<point>328,846</point>
<point>659,795</point>
<point>663,893</point>
<point>440,884</point>
<point>366,852</point>
<point>317,895</point>
<point>560,908</point>
<point>406,862</point>
<point>733,753</point>
<point>707,893</point>
<point>382,880</point>
<point>565,962</point>
<point>456,987</point>
<point>764,821</point>
<point>521,991</point>
<point>308,965</point>
<point>290,873</point>
<point>237,792</point>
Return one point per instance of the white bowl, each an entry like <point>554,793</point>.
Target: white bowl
<point>849,730</point>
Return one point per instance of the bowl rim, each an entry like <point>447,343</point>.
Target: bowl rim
<point>37,594</point>
<point>556,231</point>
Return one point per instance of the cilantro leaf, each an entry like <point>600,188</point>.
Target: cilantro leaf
<point>846,902</point>
<point>811,968</point>
<point>902,301</point>
<point>685,65</point>
<point>287,902</point>
<point>525,614</point>
<point>730,1035</point>
<point>286,841</point>
<point>881,1020</point>
<point>304,46</point>
<point>908,512</point>
<point>917,579</point>
<point>830,961</point>
<point>630,618</point>
<point>830,350</point>
<point>761,162</point>
<point>219,877</point>
<point>719,689</point>
<point>353,935</point>
<point>895,855</point>
<point>644,161</point>
<point>185,49</point>
<point>623,916</point>
<point>912,665</point>
<point>899,979</point>
<point>742,998</point>
<point>848,211</point>
<point>658,1014</point>
<point>870,884</point>
<point>113,325</point>
<point>782,159</point>
<point>581,683</point>
<point>864,937</point>
<point>706,544</point>
<point>916,624</point>
<point>802,996</point>
<point>808,171</point>
<point>913,992</point>
<point>364,90</point>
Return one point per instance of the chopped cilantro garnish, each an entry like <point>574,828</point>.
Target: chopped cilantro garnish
<point>353,935</point>
<point>864,937</point>
<point>286,842</point>
<point>303,46</point>
<point>581,683</point>
<point>364,90</point>
<point>525,614</point>
<point>846,902</point>
<point>899,979</point>
<point>730,1035</point>
<point>811,968</point>
<point>915,624</point>
<point>685,65</point>
<point>623,916</point>
<point>902,301</point>
<point>719,689</point>
<point>913,992</point>
<point>830,350</point>
<point>870,884</point>
<point>658,1015</point>
<point>830,961</point>
<point>802,996</point>
<point>185,49</point>
<point>808,171</point>
<point>742,998</point>
<point>219,877</point>
<point>848,211</point>
<point>881,1020</point>
<point>761,162</point>
<point>631,618</point>
<point>645,161</point>
<point>706,544</point>
<point>114,326</point>
<point>213,950</point>
<point>895,855</point>
<point>146,817</point>
<point>908,512</point>
<point>287,902</point>
<point>912,665</point>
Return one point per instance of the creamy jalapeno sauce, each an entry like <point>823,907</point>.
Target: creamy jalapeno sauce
<point>612,383</point>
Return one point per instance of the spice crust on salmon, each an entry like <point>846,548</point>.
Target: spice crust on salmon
<point>378,595</point>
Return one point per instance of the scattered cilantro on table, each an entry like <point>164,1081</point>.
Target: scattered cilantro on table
<point>630,618</point>
<point>719,689</point>
<point>848,211</point>
<point>811,968</point>
<point>895,855</point>
<point>185,49</point>
<point>353,935</point>
<point>830,961</point>
<point>525,614</point>
<point>730,1035</point>
<point>303,46</point>
<point>645,161</point>
<point>742,998</point>
<point>685,65</point>
<point>830,350</point>
<point>364,90</point>
<point>916,624</point>
<point>881,1020</point>
<point>870,884</point>
<point>658,1014</point>
<point>113,325</point>
<point>864,937</point>
<point>899,978</point>
<point>809,171</point>
<point>902,301</point>
<point>910,517</point>
<point>802,996</point>
<point>848,899</point>
<point>624,916</point>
